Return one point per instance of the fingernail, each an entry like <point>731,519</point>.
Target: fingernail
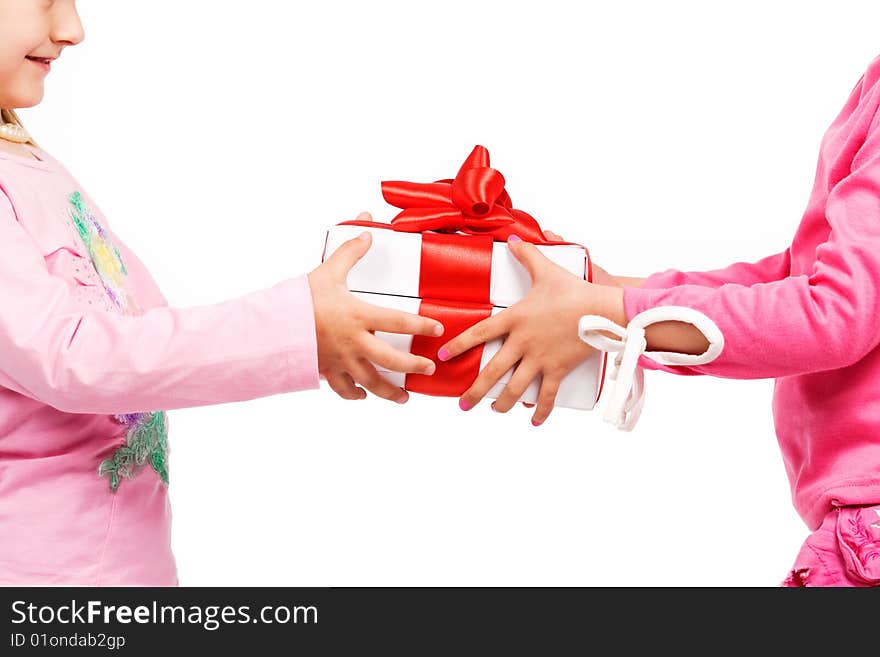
<point>430,368</point>
<point>536,424</point>
<point>402,399</point>
<point>443,354</point>
<point>465,405</point>
<point>438,329</point>
<point>365,235</point>
<point>493,407</point>
<point>514,238</point>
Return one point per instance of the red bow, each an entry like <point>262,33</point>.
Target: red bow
<point>474,202</point>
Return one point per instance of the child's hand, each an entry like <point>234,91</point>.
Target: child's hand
<point>344,327</point>
<point>541,329</point>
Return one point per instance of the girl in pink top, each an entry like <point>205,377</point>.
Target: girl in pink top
<point>91,352</point>
<point>808,317</point>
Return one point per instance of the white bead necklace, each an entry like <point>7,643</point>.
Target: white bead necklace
<point>14,132</point>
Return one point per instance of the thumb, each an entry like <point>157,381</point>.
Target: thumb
<point>527,254</point>
<point>349,252</point>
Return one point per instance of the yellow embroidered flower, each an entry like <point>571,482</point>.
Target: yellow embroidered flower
<point>106,261</point>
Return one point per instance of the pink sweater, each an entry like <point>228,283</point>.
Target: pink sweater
<point>90,354</point>
<point>808,317</point>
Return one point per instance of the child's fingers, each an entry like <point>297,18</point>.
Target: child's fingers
<point>366,216</point>
<point>364,373</point>
<point>550,235</point>
<point>348,253</point>
<point>483,331</point>
<point>397,321</point>
<point>500,363</point>
<point>546,399</point>
<point>522,376</point>
<point>527,254</point>
<point>384,355</point>
<point>343,385</point>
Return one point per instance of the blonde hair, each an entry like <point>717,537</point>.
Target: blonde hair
<point>9,116</point>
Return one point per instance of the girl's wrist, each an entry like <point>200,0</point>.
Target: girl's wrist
<point>607,301</point>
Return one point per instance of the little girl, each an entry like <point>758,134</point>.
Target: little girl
<point>91,350</point>
<point>807,317</point>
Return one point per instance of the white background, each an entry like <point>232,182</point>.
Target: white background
<point>221,139</point>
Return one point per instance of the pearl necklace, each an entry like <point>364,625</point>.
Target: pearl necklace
<point>13,132</point>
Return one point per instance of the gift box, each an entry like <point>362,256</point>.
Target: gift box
<point>445,256</point>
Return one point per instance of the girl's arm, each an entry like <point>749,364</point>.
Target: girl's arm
<point>823,320</point>
<point>78,360</point>
<point>772,268</point>
<point>682,337</point>
<point>798,324</point>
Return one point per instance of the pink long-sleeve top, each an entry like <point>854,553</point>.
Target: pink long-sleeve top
<point>808,317</point>
<point>91,358</point>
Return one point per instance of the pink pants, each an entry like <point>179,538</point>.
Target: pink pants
<point>844,551</point>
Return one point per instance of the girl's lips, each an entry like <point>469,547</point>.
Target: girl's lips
<point>45,64</point>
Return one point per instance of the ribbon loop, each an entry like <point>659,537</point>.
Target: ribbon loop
<point>475,191</point>
<point>627,397</point>
<point>404,194</point>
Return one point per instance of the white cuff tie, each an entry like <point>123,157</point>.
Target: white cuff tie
<point>628,396</point>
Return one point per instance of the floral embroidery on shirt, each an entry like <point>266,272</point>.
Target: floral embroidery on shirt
<point>146,434</point>
<point>146,439</point>
<point>103,254</point>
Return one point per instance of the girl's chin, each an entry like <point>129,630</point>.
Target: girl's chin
<point>30,98</point>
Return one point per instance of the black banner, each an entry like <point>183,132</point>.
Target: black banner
<point>407,620</point>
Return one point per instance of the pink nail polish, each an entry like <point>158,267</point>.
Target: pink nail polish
<point>514,238</point>
<point>402,399</point>
<point>465,405</point>
<point>443,354</point>
<point>536,424</point>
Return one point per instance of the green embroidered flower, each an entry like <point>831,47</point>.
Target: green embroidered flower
<point>146,440</point>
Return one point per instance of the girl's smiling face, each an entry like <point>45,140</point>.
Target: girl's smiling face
<point>30,31</point>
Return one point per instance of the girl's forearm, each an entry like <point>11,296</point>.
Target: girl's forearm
<point>679,337</point>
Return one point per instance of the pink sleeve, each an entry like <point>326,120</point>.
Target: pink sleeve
<point>772,268</point>
<point>94,361</point>
<point>807,323</point>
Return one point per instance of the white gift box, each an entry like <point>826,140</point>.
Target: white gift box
<point>579,389</point>
<point>393,265</point>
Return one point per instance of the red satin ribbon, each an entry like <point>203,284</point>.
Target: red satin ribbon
<point>474,202</point>
<point>452,377</point>
<point>456,267</point>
